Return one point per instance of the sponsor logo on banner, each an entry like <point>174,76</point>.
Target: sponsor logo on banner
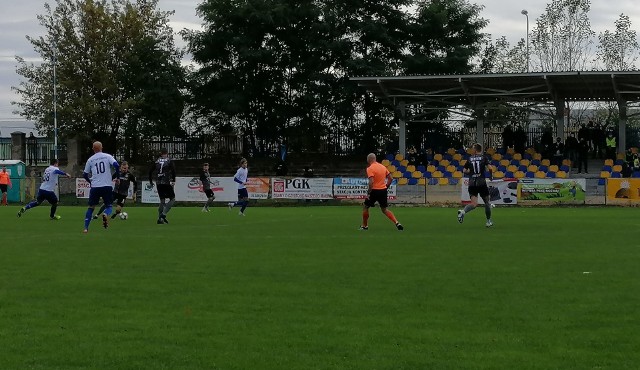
<point>552,190</point>
<point>302,188</point>
<point>623,190</point>
<point>356,188</point>
<point>258,187</point>
<point>503,191</point>
<point>189,189</point>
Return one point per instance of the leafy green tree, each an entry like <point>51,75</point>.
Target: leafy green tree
<point>118,72</point>
<point>618,50</point>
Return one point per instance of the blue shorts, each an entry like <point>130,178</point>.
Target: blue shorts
<point>49,196</point>
<point>243,193</point>
<point>104,192</point>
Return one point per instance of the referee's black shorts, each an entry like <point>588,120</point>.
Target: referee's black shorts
<point>377,195</point>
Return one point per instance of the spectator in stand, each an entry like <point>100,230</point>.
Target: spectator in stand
<point>611,145</point>
<point>583,133</point>
<point>547,144</point>
<point>592,133</point>
<point>635,164</point>
<point>412,156</point>
<point>281,168</point>
<point>571,149</point>
<point>308,172</point>
<point>599,138</point>
<point>520,139</point>
<point>583,155</point>
<point>32,149</point>
<point>508,137</point>
<point>558,152</point>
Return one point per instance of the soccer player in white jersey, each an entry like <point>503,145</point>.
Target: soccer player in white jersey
<point>47,190</point>
<point>98,173</point>
<point>243,194</point>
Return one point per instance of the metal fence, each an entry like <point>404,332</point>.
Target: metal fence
<point>5,148</point>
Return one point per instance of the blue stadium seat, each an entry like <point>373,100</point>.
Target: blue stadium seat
<point>616,175</point>
<point>441,168</point>
<point>543,168</point>
<point>635,174</point>
<point>390,157</point>
<point>401,168</point>
<point>536,162</point>
<point>502,168</point>
<point>607,168</point>
<point>494,162</point>
<point>619,162</point>
<point>515,162</point>
<point>461,151</point>
<point>426,174</point>
<point>453,181</point>
<point>395,162</point>
<point>447,174</point>
<point>601,182</point>
<point>509,175</point>
<point>551,175</point>
<point>421,168</point>
<point>565,168</point>
<point>502,151</point>
<point>454,163</point>
<point>433,181</point>
<point>407,174</point>
<point>522,168</point>
<point>527,156</point>
<point>448,157</point>
<point>530,175</point>
<point>412,182</point>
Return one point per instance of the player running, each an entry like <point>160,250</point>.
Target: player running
<point>47,190</point>
<point>98,173</point>
<point>165,172</point>
<point>379,181</point>
<point>205,179</point>
<point>123,180</point>
<point>243,194</point>
<point>476,167</point>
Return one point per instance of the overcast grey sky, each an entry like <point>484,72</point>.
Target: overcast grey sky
<point>503,15</point>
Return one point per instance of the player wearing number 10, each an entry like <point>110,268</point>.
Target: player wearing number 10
<point>98,173</point>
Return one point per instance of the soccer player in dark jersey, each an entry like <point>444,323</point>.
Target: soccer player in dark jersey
<point>476,167</point>
<point>164,170</point>
<point>123,180</point>
<point>205,180</point>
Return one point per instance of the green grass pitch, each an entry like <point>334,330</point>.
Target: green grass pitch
<point>302,288</point>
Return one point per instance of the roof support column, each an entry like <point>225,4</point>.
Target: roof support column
<point>622,127</point>
<point>480,130</point>
<point>402,129</point>
<point>559,119</point>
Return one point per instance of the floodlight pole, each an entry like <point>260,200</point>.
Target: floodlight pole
<point>526,14</point>
<point>55,102</point>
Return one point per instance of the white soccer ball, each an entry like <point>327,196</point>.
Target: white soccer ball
<point>124,215</point>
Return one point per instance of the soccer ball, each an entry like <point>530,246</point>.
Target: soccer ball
<point>124,215</point>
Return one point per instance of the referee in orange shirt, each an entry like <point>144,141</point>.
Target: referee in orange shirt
<point>5,183</point>
<point>379,181</point>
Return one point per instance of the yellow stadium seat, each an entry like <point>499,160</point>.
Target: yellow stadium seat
<point>463,162</point>
<point>566,162</point>
<point>451,168</point>
<point>540,175</point>
<point>399,157</point>
<point>504,162</point>
<point>561,175</point>
<point>525,162</point>
<point>385,162</point>
<point>498,175</point>
<point>404,163</point>
<point>553,168</point>
<point>517,156</point>
<point>608,162</point>
<point>491,151</point>
<point>444,162</point>
<point>437,174</point>
<point>422,181</point>
<point>396,174</point>
<point>621,156</point>
<point>458,175</point>
<point>443,181</point>
<point>532,168</point>
<point>605,174</point>
<point>537,156</point>
<point>451,151</point>
<point>496,156</point>
<point>431,168</point>
<point>634,150</point>
<point>391,168</point>
<point>470,151</point>
<point>457,157</point>
<point>403,181</point>
<point>437,157</point>
<point>617,168</point>
<point>416,174</point>
<point>530,151</point>
<point>546,162</point>
<point>512,168</point>
<point>411,168</point>
<point>519,174</point>
<point>511,151</point>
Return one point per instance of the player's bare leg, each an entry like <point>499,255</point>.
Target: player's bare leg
<point>365,218</point>
<point>392,217</point>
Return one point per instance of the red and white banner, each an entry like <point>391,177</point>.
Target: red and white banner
<point>302,188</point>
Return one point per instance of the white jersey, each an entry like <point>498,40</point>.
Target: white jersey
<point>50,178</point>
<point>241,175</point>
<point>99,166</point>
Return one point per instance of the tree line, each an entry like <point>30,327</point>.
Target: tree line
<point>273,71</point>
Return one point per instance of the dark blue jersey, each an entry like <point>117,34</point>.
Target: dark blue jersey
<point>477,166</point>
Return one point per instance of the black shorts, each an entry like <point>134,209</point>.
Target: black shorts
<point>166,191</point>
<point>208,193</point>
<point>4,187</point>
<point>377,195</point>
<point>119,199</point>
<point>482,190</point>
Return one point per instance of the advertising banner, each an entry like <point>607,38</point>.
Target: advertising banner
<point>356,188</point>
<point>623,191</point>
<point>552,190</point>
<point>83,186</point>
<point>302,188</point>
<point>258,187</point>
<point>503,191</point>
<point>189,189</point>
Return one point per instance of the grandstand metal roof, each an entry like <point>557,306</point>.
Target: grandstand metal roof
<point>476,90</point>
